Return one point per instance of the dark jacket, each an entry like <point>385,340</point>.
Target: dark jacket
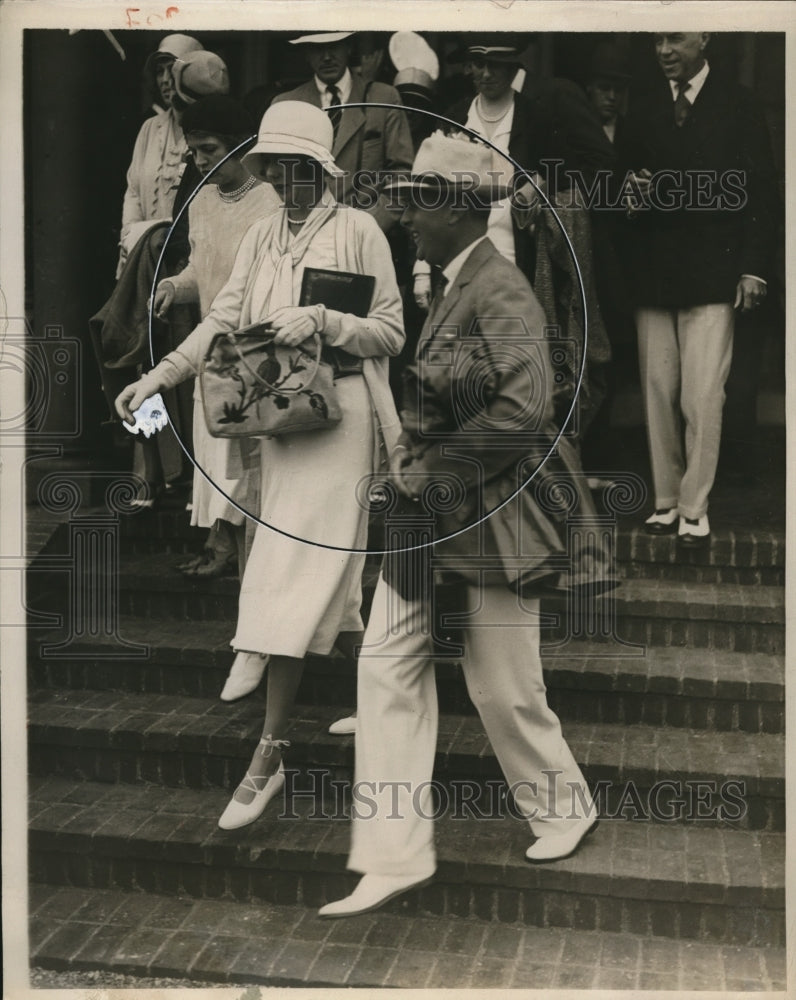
<point>722,187</point>
<point>478,419</point>
<point>553,123</point>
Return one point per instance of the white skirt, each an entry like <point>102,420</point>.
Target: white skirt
<point>297,595</point>
<point>210,455</point>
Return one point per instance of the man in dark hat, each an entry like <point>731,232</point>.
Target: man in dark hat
<point>606,87</point>
<point>366,140</point>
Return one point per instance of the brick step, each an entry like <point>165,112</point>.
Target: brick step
<point>690,688</point>
<point>195,743</point>
<point>653,612</point>
<point>729,548</point>
<point>272,944</point>
<point>653,880</point>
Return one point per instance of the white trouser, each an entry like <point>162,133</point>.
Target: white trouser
<point>685,357</point>
<point>392,828</point>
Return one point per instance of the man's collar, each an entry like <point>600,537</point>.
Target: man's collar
<point>343,85</point>
<point>695,84</point>
<point>452,269</point>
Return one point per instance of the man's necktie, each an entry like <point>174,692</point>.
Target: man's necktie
<point>439,295</point>
<point>682,106</point>
<point>335,114</point>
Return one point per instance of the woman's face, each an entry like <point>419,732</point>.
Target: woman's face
<point>297,180</point>
<point>164,81</point>
<point>207,152</point>
<point>492,79</point>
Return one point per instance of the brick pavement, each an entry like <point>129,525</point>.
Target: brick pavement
<point>273,945</point>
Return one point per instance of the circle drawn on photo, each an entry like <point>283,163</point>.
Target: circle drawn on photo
<point>537,353</point>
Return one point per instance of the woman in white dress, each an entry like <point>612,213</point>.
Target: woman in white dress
<point>219,215</point>
<point>301,590</point>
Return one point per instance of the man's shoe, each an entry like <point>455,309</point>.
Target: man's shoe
<point>662,522</point>
<point>244,677</point>
<point>372,891</point>
<point>344,727</point>
<point>563,845</point>
<point>694,533</point>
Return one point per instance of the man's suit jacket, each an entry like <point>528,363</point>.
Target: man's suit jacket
<point>478,418</point>
<point>373,139</point>
<point>695,254</point>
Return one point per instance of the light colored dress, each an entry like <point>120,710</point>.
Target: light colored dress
<point>155,170</point>
<point>297,592</point>
<point>215,232</point>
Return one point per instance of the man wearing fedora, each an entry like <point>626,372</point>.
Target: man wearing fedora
<point>701,233</point>
<point>370,139</point>
<point>471,409</point>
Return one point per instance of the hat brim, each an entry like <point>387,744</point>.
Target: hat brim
<point>424,189</point>
<point>323,38</point>
<point>513,58</point>
<point>284,147</point>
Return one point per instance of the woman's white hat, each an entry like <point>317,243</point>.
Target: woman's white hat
<point>452,164</point>
<point>322,38</point>
<point>199,74</point>
<point>294,127</point>
<point>173,47</point>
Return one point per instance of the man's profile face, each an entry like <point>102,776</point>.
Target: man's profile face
<point>681,54</point>
<point>330,60</point>
<point>430,228</point>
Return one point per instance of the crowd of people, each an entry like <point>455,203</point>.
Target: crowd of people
<point>523,218</point>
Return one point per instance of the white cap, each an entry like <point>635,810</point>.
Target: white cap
<point>410,51</point>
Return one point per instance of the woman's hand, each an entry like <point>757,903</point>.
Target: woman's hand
<point>164,298</point>
<point>293,324</point>
<point>129,400</point>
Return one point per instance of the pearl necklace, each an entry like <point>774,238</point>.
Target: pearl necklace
<point>238,193</point>
<point>485,118</point>
<point>296,222</point>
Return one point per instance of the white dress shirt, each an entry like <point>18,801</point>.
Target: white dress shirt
<point>451,270</point>
<point>343,85</point>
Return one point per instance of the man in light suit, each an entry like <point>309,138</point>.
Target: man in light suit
<point>700,242</point>
<point>483,328</point>
<point>370,140</point>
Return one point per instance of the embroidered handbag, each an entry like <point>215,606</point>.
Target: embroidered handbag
<point>252,387</point>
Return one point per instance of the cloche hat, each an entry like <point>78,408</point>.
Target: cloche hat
<point>199,74</point>
<point>172,47</point>
<point>293,127</point>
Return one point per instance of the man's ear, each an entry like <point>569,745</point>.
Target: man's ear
<point>704,39</point>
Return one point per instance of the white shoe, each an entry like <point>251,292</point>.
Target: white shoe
<point>238,814</point>
<point>344,727</point>
<point>244,676</point>
<point>560,846</point>
<point>694,533</point>
<point>372,891</point>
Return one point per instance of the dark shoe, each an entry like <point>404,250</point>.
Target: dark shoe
<point>662,522</point>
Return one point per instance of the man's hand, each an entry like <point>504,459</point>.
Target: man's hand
<point>129,400</point>
<point>164,298</point>
<point>399,460</point>
<point>636,191</point>
<point>526,202</point>
<point>749,293</point>
<point>292,325</point>
<point>421,290</point>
